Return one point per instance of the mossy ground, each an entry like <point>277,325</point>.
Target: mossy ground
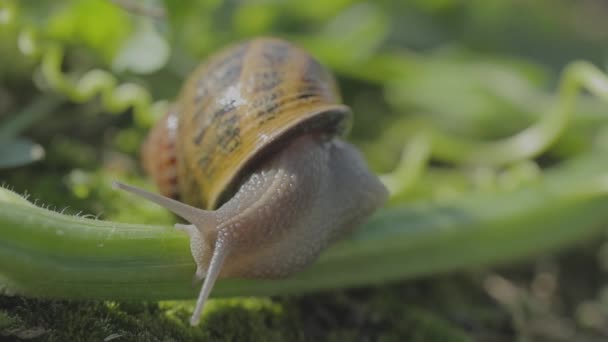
<point>558,298</point>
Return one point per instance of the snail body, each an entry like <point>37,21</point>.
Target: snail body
<point>252,150</point>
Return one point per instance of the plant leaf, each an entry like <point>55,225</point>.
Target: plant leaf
<point>19,152</point>
<point>144,52</point>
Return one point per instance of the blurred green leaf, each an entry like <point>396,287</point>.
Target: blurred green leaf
<point>144,52</point>
<point>320,10</point>
<point>352,36</point>
<point>254,18</point>
<point>35,111</point>
<point>98,24</point>
<point>472,97</point>
<point>19,152</point>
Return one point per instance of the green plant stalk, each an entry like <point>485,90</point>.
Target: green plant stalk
<point>414,161</point>
<point>46,254</point>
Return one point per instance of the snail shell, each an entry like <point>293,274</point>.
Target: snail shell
<point>252,148</point>
<point>234,109</point>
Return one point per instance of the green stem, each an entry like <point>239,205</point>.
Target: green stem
<point>43,253</point>
<point>413,163</point>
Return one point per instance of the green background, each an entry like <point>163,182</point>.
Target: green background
<point>474,70</point>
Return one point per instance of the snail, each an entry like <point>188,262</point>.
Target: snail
<point>251,155</point>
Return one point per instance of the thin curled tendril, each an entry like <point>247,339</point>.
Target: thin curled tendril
<point>413,163</point>
<point>536,139</point>
<point>528,143</point>
<point>115,97</point>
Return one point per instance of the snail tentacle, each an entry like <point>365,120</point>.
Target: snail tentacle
<point>188,228</point>
<point>215,267</point>
<point>202,219</point>
<point>199,219</point>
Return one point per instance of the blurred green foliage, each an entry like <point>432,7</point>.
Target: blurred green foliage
<point>458,66</point>
<point>477,70</point>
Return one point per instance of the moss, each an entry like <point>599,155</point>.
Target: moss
<point>249,320</point>
<point>92,321</point>
<point>246,319</point>
<point>442,308</point>
<point>235,319</point>
<point>422,325</point>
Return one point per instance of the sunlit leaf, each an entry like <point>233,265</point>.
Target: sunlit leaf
<point>98,24</point>
<point>144,52</point>
<point>317,9</point>
<point>356,33</point>
<point>254,18</point>
<point>469,97</point>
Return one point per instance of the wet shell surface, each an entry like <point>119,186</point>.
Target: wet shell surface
<point>234,109</point>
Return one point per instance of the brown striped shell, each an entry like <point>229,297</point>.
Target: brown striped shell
<point>235,108</point>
